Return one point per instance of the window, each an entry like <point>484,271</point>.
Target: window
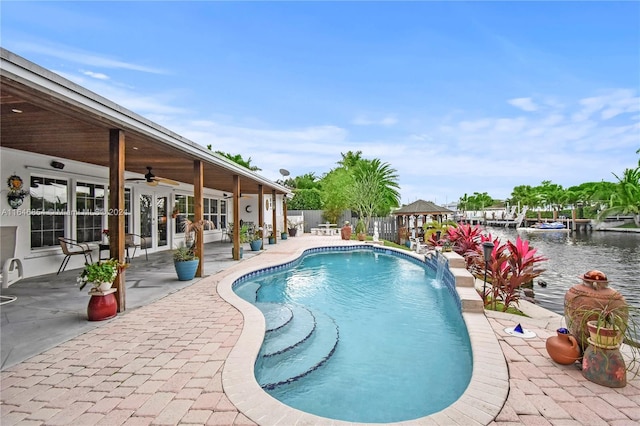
<point>90,211</point>
<point>223,213</point>
<point>49,206</point>
<point>183,208</point>
<point>211,211</point>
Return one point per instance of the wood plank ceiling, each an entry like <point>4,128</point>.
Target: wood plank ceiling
<point>49,126</point>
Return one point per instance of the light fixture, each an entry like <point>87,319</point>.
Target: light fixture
<point>57,165</point>
<point>16,110</point>
<point>487,248</point>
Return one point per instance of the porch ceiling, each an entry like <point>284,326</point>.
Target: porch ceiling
<point>50,126</point>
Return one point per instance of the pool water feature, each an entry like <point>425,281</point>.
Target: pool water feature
<point>363,336</point>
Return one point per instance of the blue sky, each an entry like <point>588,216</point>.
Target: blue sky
<point>458,97</point>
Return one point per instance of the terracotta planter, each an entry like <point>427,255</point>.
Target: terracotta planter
<point>362,237</point>
<point>581,303</point>
<point>604,337</point>
<point>345,232</point>
<point>563,348</point>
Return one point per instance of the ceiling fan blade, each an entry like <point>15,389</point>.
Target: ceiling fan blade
<point>152,183</point>
<point>166,180</point>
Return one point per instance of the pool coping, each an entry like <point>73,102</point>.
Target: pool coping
<point>478,405</point>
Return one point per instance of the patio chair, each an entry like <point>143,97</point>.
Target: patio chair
<point>7,253</point>
<point>136,242</point>
<point>73,248</point>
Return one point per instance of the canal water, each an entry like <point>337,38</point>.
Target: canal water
<point>617,254</point>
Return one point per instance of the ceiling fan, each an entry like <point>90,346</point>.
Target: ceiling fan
<point>227,196</point>
<point>152,179</point>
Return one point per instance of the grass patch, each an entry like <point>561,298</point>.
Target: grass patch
<point>500,308</point>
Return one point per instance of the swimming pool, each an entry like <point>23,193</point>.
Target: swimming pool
<point>360,335</point>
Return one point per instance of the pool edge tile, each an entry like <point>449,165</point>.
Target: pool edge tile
<point>238,373</point>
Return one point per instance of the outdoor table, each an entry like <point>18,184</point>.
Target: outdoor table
<point>327,228</point>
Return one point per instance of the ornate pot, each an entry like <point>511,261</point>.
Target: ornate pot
<point>563,348</point>
<point>604,337</point>
<point>605,367</point>
<point>582,303</point>
<point>345,232</point>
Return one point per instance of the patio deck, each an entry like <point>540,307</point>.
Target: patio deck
<point>161,361</point>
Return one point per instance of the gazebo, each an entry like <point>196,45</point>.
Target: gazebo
<point>420,209</point>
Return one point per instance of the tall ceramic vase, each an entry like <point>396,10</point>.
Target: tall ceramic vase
<point>582,301</point>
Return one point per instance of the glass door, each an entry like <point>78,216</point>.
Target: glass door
<point>153,219</point>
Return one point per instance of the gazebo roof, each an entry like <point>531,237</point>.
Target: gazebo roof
<point>421,207</point>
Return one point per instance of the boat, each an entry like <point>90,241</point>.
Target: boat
<point>546,227</point>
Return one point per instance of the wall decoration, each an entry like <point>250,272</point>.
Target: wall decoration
<point>267,204</point>
<point>16,194</point>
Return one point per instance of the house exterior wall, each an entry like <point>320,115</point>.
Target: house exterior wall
<point>45,260</point>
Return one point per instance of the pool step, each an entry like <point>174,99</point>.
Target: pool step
<point>286,367</point>
<point>248,291</point>
<point>276,315</point>
<point>292,334</point>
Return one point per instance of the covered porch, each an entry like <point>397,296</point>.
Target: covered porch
<point>50,309</point>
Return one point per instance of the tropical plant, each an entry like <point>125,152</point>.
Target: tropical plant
<point>360,227</point>
<point>375,189</point>
<point>184,254</point>
<point>335,198</point>
<point>306,199</point>
<point>192,231</point>
<point>104,271</point>
<point>512,267</point>
<point>245,235</point>
<point>237,158</point>
<point>464,238</point>
<point>626,198</point>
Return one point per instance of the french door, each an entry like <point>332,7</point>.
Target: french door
<point>154,219</point>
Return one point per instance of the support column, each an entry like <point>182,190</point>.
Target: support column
<point>274,215</point>
<point>198,183</point>
<point>236,217</point>
<point>260,207</point>
<point>284,213</point>
<point>116,210</point>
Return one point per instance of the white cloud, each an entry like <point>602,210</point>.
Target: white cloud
<point>525,104</point>
<point>96,75</point>
<point>364,120</point>
<point>81,57</point>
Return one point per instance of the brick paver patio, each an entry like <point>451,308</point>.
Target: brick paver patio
<point>162,364</point>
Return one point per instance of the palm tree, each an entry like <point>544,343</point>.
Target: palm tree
<point>375,189</point>
<point>626,198</point>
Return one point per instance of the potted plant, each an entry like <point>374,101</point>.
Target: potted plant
<point>100,274</point>
<point>292,227</point>
<point>185,260</point>
<point>245,237</point>
<point>102,304</point>
<point>360,230</point>
<point>602,361</point>
<point>256,240</point>
<point>345,231</point>
<point>272,238</point>
<point>403,235</point>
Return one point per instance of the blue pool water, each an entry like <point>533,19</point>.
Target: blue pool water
<point>360,336</point>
